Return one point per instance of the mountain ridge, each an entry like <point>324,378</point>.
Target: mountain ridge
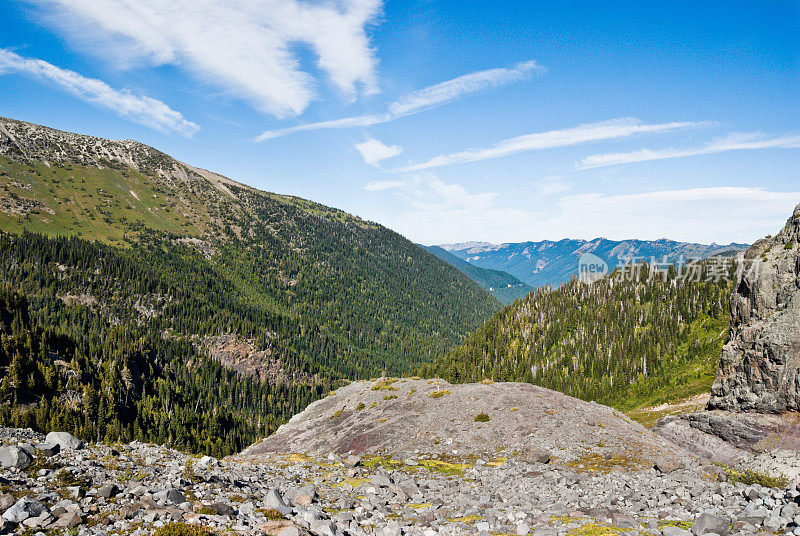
<point>220,277</point>
<point>553,263</point>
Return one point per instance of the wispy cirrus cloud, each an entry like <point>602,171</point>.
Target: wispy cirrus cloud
<point>451,90</point>
<point>421,100</point>
<point>140,109</point>
<point>591,132</point>
<point>379,186</point>
<point>733,142</point>
<point>248,48</point>
<point>375,151</point>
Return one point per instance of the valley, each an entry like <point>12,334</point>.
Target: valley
<point>184,355</point>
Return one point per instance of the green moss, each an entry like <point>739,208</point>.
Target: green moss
<point>470,519</point>
<point>389,397</point>
<point>481,417</point>
<point>439,394</point>
<point>360,406</point>
<point>685,525</point>
<point>184,529</point>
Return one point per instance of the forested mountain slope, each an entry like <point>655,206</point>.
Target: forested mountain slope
<point>505,287</point>
<point>617,341</point>
<point>549,263</point>
<point>184,259</point>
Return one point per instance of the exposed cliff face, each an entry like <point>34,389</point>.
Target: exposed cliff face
<point>760,365</point>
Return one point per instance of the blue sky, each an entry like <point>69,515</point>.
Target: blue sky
<point>455,121</point>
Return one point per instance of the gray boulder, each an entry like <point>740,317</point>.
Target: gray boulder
<point>107,491</point>
<point>64,440</point>
<point>23,509</point>
<point>14,457</point>
<point>671,530</point>
<point>273,499</point>
<point>48,449</point>
<point>6,501</point>
<point>667,465</point>
<point>174,496</point>
<point>708,523</point>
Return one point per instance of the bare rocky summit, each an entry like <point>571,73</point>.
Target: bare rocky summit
<point>760,366</point>
<point>406,417</point>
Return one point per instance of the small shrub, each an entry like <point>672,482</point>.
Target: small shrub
<point>360,406</point>
<point>337,413</point>
<point>389,397</point>
<point>206,511</point>
<point>439,394</point>
<point>384,384</point>
<point>270,513</point>
<point>184,529</point>
<point>481,417</point>
<point>789,245</point>
<point>750,477</point>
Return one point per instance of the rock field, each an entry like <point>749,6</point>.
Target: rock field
<point>55,484</point>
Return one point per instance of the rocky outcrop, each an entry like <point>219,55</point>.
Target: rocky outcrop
<point>760,365</point>
<point>730,437</point>
<point>406,417</point>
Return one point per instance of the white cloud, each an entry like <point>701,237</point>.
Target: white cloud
<point>734,142</point>
<point>379,186</point>
<point>144,110</point>
<point>347,122</point>
<point>247,47</point>
<point>552,185</point>
<point>375,151</point>
<point>592,132</point>
<point>436,212</point>
<point>451,90</point>
<point>421,100</point>
<point>718,214</point>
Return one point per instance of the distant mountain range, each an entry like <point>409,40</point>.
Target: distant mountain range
<point>554,263</point>
<point>503,285</point>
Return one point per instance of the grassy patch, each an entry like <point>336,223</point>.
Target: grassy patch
<point>184,529</point>
<point>447,468</point>
<point>602,464</point>
<point>690,372</point>
<point>685,525</point>
<point>597,529</point>
<point>750,477</point>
